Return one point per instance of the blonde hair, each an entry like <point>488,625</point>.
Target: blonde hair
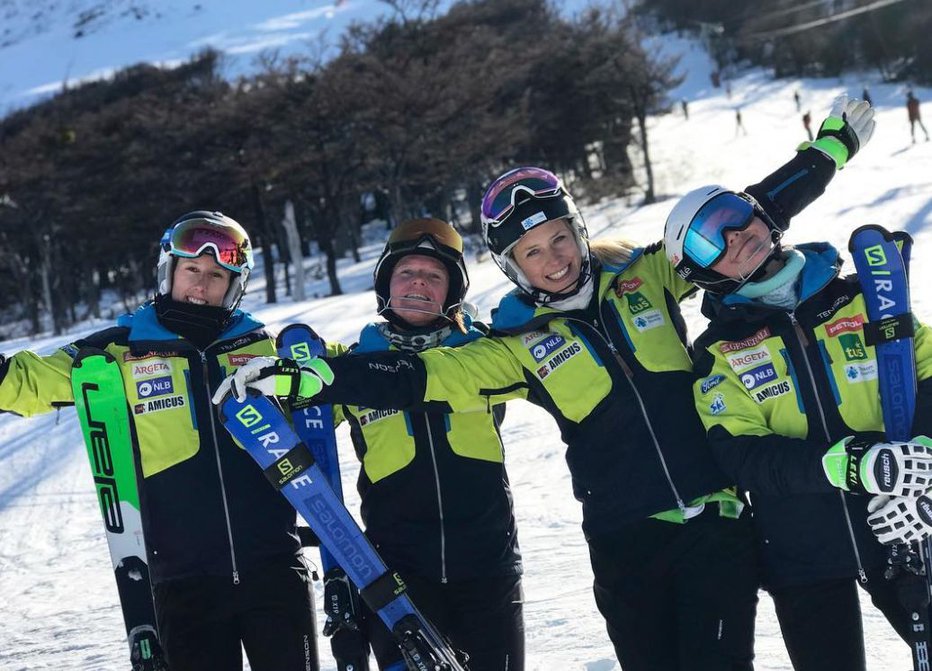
<point>613,251</point>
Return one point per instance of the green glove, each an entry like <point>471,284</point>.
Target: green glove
<point>848,127</point>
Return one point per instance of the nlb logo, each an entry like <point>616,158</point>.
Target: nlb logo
<point>758,376</point>
<point>545,348</point>
<point>158,386</point>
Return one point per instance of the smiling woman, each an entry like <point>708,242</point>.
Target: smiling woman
<point>225,564</point>
<point>201,281</point>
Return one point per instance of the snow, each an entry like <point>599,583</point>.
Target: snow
<point>58,602</point>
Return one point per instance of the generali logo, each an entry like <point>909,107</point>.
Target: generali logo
<point>845,325</point>
<point>739,345</point>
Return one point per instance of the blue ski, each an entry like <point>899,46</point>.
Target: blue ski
<point>881,259</point>
<point>260,427</point>
<point>314,426</point>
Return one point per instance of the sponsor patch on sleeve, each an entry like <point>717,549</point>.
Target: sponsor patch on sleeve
<point>710,383</point>
<point>717,406</point>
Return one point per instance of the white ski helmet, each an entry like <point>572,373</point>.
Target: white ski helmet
<point>202,232</point>
<point>694,234</point>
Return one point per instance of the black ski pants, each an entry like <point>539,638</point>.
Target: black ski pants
<point>821,622</point>
<point>482,617</point>
<point>679,597</point>
<point>205,622</point>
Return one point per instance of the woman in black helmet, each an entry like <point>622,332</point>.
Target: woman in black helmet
<point>224,560</point>
<point>435,495</point>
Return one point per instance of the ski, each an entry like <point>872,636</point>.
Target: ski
<point>260,427</point>
<point>881,259</point>
<point>100,401</point>
<point>314,426</point>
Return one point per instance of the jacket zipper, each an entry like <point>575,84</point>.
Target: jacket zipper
<point>223,489</point>
<point>804,342</point>
<point>443,536</point>
<point>629,376</point>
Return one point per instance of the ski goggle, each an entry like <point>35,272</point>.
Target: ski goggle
<point>231,247</point>
<point>518,184</point>
<point>705,240</point>
<point>419,232</point>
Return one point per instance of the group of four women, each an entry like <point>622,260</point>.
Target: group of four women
<point>666,443</point>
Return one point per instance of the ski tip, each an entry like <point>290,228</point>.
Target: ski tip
<point>88,352</point>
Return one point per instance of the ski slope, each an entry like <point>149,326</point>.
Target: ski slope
<point>58,603</point>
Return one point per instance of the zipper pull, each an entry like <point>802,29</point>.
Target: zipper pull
<point>236,577</point>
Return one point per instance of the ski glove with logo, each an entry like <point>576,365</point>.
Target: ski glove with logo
<point>271,376</point>
<point>895,469</point>
<point>848,127</point>
<point>896,519</point>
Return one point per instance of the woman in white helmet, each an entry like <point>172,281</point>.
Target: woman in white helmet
<point>788,392</point>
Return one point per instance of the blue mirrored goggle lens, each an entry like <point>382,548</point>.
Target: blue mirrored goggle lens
<point>705,241</point>
<point>500,199</point>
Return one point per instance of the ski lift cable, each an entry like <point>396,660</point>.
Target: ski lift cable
<point>780,32</point>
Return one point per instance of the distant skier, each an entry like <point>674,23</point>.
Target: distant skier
<point>684,105</point>
<point>739,123</point>
<point>224,561</point>
<point>797,101</point>
<point>866,96</point>
<point>807,124</point>
<point>912,110</point>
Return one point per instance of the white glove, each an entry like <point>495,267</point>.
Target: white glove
<point>271,376</point>
<point>848,127</point>
<point>895,519</point>
<point>865,467</point>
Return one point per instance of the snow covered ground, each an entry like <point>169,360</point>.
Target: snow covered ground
<point>58,602</point>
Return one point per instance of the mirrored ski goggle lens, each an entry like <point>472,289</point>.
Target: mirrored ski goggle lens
<point>705,239</point>
<point>499,200</point>
<point>411,237</point>
<point>230,247</point>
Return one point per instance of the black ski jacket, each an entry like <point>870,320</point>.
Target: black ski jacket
<point>776,389</point>
<point>435,495</point>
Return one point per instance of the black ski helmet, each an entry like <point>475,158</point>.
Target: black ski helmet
<point>518,201</point>
<point>428,237</point>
